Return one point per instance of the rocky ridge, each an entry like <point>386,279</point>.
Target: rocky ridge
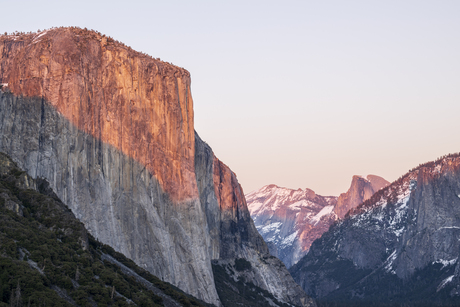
<point>401,246</point>
<point>111,129</point>
<point>361,189</point>
<point>290,220</point>
<point>233,233</point>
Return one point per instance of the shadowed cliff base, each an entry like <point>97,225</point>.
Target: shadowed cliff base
<point>47,258</point>
<point>117,199</point>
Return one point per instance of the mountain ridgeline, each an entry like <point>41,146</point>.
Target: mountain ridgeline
<point>290,220</point>
<point>112,131</point>
<point>398,248</point>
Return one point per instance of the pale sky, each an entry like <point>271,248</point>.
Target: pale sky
<point>302,94</point>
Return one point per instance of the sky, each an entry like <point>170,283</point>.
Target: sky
<point>301,94</point>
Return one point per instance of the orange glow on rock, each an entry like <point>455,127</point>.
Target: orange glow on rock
<point>140,105</point>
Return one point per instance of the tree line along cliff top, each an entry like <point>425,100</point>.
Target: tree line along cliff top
<point>84,35</point>
<point>108,90</point>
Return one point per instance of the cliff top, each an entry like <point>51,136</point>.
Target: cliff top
<point>82,35</point>
<point>106,89</point>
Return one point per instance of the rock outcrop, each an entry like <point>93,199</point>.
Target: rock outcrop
<point>401,246</point>
<point>111,129</point>
<point>290,220</point>
<point>361,189</point>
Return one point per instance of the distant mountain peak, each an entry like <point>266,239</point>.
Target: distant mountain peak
<point>361,189</point>
<point>290,220</point>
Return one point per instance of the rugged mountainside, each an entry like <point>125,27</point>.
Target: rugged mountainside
<point>234,238</point>
<point>361,189</point>
<point>290,220</point>
<point>401,246</point>
<point>48,258</point>
<point>111,129</point>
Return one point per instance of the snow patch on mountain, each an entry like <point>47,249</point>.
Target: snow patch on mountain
<point>255,206</point>
<point>289,240</point>
<point>445,282</point>
<point>269,228</point>
<point>325,211</point>
<point>297,205</point>
<point>446,263</point>
<point>437,168</point>
<point>389,263</point>
<point>400,216</point>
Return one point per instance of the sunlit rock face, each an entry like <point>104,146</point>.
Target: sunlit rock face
<point>290,220</point>
<point>361,189</point>
<point>112,130</point>
<point>232,231</point>
<point>139,105</point>
<point>401,246</point>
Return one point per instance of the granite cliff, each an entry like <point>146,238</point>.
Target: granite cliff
<point>111,130</point>
<point>400,247</point>
<point>361,189</point>
<point>47,257</point>
<point>290,220</point>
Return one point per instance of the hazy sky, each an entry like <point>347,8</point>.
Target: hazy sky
<point>296,93</point>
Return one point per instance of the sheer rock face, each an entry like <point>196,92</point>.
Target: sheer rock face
<point>233,234</point>
<point>140,106</point>
<point>360,190</point>
<point>112,131</point>
<point>120,202</point>
<point>403,239</point>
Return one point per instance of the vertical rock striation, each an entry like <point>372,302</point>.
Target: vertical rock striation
<point>111,129</point>
<point>233,234</point>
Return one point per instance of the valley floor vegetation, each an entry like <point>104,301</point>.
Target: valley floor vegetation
<point>48,259</point>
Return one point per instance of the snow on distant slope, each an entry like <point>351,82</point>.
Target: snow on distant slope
<point>402,242</point>
<point>291,220</point>
<point>325,211</point>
